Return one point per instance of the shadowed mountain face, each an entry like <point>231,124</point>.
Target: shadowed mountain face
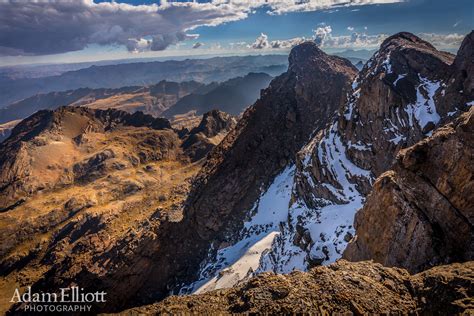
<point>124,203</point>
<point>232,96</point>
<point>134,74</point>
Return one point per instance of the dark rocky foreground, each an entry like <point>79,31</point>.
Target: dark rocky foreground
<point>359,288</point>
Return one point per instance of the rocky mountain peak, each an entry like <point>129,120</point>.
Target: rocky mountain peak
<point>304,52</point>
<point>402,83</point>
<point>466,51</point>
<point>308,56</point>
<point>405,39</point>
<point>405,53</point>
<point>213,122</point>
<point>464,66</point>
<point>210,132</point>
<point>296,104</point>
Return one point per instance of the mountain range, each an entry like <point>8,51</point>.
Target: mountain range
<point>165,98</point>
<point>330,167</point>
<point>141,74</point>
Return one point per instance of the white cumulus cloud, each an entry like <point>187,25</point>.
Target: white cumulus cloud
<point>323,37</point>
<point>262,42</point>
<point>321,34</point>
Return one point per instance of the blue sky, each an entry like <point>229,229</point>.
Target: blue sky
<point>437,16</point>
<point>166,30</point>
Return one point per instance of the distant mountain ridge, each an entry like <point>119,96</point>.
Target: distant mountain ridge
<point>151,100</point>
<point>162,99</point>
<point>231,96</point>
<point>143,73</point>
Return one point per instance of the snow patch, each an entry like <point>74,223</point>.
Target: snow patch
<point>238,261</point>
<point>397,139</point>
<point>399,78</point>
<point>243,267</point>
<point>327,228</point>
<point>424,109</point>
<point>353,97</point>
<point>387,65</point>
<point>393,131</point>
<point>358,145</point>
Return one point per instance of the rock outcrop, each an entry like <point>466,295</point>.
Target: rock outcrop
<point>341,288</point>
<point>421,212</point>
<point>209,133</point>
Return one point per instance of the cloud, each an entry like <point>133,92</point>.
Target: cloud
<point>453,40</point>
<point>277,7</point>
<point>44,27</point>
<point>197,44</point>
<point>262,42</point>
<point>323,38</point>
<point>57,26</point>
<point>321,34</point>
<point>288,43</point>
<point>350,28</point>
<point>216,46</point>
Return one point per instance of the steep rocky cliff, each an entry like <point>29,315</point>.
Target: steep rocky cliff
<point>394,102</point>
<point>295,105</point>
<point>293,213</point>
<point>421,212</point>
